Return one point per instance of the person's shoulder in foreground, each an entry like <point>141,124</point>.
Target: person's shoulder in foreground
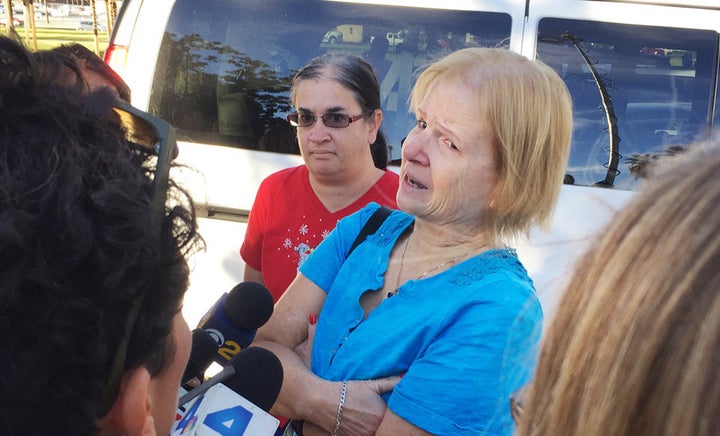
<point>92,260</point>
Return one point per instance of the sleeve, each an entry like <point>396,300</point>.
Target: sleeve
<point>462,382</point>
<point>323,264</point>
<point>251,248</point>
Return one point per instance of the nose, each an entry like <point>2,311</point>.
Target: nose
<point>318,132</point>
<point>413,149</point>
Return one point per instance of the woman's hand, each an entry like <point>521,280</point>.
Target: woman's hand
<point>304,350</point>
<point>363,410</point>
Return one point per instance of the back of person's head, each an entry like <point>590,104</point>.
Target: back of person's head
<point>533,142</point>
<point>77,250</point>
<point>634,348</point>
<point>357,75</point>
<point>94,71</point>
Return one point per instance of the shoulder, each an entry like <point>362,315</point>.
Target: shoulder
<point>493,265</point>
<point>389,180</point>
<point>359,217</point>
<point>497,278</point>
<point>291,183</point>
<point>286,174</point>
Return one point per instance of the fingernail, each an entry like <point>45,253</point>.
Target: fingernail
<point>312,319</point>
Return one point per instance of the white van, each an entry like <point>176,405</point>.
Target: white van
<point>643,76</point>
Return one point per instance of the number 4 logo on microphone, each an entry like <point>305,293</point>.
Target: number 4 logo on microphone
<point>229,422</point>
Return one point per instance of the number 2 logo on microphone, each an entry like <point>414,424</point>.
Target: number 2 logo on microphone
<point>226,349</point>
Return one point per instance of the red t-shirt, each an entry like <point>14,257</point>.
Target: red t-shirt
<point>288,221</point>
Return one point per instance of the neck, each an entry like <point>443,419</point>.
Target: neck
<point>422,254</point>
<point>449,240</point>
<point>338,192</point>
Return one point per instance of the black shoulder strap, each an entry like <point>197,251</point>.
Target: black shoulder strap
<point>371,226</point>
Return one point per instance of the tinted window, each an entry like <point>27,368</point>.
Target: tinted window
<point>658,83</point>
<point>224,71</point>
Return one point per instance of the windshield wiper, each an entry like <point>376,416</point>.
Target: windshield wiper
<point>608,108</point>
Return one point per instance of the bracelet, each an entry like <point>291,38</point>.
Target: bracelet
<point>340,407</point>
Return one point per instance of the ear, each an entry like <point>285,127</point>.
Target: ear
<point>374,124</point>
<point>130,415</point>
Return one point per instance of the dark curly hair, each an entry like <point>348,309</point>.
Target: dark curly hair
<point>76,249</point>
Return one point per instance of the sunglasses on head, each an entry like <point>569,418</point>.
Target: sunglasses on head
<point>334,120</point>
<point>157,136</point>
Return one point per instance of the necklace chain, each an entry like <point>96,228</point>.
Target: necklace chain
<point>436,267</point>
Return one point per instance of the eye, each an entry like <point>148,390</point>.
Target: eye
<point>422,124</point>
<point>337,118</point>
<point>450,144</point>
<point>305,118</point>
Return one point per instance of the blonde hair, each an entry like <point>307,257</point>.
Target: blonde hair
<point>530,110</point>
<point>634,348</point>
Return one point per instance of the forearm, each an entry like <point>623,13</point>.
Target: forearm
<point>304,395</point>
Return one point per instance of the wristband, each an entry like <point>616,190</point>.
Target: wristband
<point>338,420</point>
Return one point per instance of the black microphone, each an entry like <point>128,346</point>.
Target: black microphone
<point>260,378</point>
<point>235,317</point>
<point>202,354</point>
<point>255,373</point>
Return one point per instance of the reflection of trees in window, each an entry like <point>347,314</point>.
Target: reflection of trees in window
<point>198,73</point>
<point>264,89</point>
<point>642,164</point>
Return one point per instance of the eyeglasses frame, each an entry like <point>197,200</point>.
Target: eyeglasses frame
<point>164,147</point>
<point>351,119</point>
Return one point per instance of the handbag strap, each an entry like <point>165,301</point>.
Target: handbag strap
<point>370,227</point>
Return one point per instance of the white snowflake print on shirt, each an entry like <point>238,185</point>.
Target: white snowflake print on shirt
<point>299,243</point>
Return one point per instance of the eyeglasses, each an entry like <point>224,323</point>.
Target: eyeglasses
<point>517,403</point>
<point>334,120</point>
<point>158,136</point>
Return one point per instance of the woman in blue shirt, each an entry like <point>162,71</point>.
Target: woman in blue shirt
<point>431,323</point>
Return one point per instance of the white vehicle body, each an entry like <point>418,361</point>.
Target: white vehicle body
<point>227,177</point>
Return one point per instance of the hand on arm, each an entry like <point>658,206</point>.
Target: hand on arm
<point>362,411</point>
<point>304,395</point>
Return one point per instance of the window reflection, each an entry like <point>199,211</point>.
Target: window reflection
<point>659,83</point>
<point>226,70</point>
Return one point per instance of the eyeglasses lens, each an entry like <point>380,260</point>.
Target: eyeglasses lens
<point>336,121</point>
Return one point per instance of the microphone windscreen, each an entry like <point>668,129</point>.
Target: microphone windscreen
<point>258,376</point>
<point>203,351</point>
<point>249,305</point>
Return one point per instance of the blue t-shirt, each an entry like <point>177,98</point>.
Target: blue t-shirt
<point>465,339</point>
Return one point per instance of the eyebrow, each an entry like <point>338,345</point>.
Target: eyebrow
<point>330,110</point>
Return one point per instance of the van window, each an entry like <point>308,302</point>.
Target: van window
<point>224,72</point>
<point>658,82</point>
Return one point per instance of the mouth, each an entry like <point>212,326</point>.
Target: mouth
<point>414,183</point>
<point>322,152</point>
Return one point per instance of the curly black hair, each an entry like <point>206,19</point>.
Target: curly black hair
<point>76,248</point>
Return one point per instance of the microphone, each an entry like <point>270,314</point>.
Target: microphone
<point>260,378</point>
<point>235,317</point>
<point>202,354</point>
<point>255,373</point>
<point>214,408</point>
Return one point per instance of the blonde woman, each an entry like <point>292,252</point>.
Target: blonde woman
<point>435,295</point>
